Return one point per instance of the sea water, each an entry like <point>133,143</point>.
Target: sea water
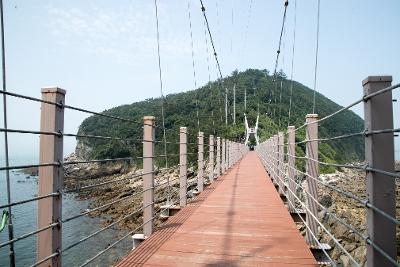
<point>24,219</point>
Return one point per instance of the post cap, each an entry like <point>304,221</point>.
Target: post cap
<point>378,78</point>
<point>312,116</point>
<point>201,134</point>
<point>148,118</point>
<point>183,129</point>
<point>291,127</point>
<point>53,89</point>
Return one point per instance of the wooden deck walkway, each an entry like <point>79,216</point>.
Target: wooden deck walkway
<point>239,220</point>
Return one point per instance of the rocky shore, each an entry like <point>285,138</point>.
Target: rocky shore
<point>121,183</point>
<point>349,211</point>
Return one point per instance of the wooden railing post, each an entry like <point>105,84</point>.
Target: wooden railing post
<point>276,164</point>
<point>200,171</point>
<point>271,156</point>
<point>266,155</point>
<point>228,157</point>
<point>379,154</point>
<point>291,168</point>
<point>236,152</point>
<point>51,178</point>
<point>223,153</point>
<point>312,170</point>
<point>281,157</point>
<point>183,166</point>
<point>211,159</point>
<point>232,153</point>
<point>148,177</point>
<point>218,156</point>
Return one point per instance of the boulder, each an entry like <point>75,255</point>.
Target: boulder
<point>345,260</point>
<point>325,200</point>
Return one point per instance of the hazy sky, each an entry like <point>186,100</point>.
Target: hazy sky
<point>104,52</point>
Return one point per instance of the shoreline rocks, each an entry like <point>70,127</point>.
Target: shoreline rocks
<point>122,184</point>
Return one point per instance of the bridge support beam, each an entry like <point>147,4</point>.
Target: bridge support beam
<point>379,154</point>
<point>312,170</point>
<point>148,177</point>
<point>183,166</point>
<point>51,178</point>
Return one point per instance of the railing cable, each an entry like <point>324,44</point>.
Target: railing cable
<point>363,99</point>
<point>350,227</point>
<point>62,105</point>
<point>321,225</point>
<point>103,229</point>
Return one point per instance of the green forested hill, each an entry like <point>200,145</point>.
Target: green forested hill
<point>180,110</point>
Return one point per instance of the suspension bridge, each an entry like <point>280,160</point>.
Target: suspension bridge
<point>241,208</point>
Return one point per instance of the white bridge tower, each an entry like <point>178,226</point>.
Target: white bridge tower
<point>251,131</point>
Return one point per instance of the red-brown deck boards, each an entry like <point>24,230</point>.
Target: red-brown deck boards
<point>239,220</point>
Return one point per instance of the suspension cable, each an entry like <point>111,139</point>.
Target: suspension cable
<point>277,55</point>
<point>161,89</point>
<point>292,64</point>
<point>203,9</point>
<point>209,75</point>
<point>161,83</point>
<point>6,152</point>
<point>193,65</point>
<point>219,71</point>
<point>249,13</point>
<point>281,83</point>
<point>232,24</point>
<point>316,58</point>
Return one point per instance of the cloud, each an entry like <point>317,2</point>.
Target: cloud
<point>124,33</point>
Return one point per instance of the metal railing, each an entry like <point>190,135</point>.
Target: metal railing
<point>279,158</point>
<point>159,194</point>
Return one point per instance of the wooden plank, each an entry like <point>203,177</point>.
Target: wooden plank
<point>239,220</point>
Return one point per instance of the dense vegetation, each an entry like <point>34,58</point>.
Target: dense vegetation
<point>180,110</point>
